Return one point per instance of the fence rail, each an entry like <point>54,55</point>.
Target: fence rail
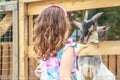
<point>6,63</point>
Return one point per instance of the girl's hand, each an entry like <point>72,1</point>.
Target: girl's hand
<point>79,48</point>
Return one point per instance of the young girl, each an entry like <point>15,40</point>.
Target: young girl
<point>56,55</point>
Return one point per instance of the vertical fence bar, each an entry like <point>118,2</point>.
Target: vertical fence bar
<point>30,29</point>
<point>32,68</point>
<point>105,59</point>
<point>23,59</point>
<point>15,43</point>
<point>10,60</point>
<point>112,64</point>
<point>118,67</point>
<point>0,60</point>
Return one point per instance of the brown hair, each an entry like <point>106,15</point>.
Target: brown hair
<point>49,32</point>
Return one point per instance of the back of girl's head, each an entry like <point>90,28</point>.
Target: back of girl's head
<point>50,28</point>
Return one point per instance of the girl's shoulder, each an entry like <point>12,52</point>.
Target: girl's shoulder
<point>68,44</point>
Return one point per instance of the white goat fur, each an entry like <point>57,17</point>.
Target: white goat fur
<point>100,72</point>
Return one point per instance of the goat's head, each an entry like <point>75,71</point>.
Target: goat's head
<point>89,28</point>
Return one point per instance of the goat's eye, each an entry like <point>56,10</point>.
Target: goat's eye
<point>92,33</point>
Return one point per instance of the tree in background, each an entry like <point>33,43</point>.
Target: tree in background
<point>111,17</point>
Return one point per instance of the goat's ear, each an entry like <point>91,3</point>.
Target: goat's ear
<point>102,28</point>
<point>79,25</point>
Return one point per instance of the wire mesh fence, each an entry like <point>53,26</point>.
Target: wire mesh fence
<point>6,48</point>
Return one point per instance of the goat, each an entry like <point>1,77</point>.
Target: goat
<point>91,67</point>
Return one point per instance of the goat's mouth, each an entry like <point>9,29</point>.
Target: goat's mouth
<point>83,41</point>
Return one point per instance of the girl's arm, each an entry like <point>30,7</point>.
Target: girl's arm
<point>66,64</point>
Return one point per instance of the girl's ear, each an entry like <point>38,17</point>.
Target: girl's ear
<point>79,25</point>
<point>102,28</point>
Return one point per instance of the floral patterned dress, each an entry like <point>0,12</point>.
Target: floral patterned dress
<point>50,69</point>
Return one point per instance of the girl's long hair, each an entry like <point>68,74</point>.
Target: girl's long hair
<point>49,32</point>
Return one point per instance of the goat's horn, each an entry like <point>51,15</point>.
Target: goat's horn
<point>86,15</point>
<point>95,17</point>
